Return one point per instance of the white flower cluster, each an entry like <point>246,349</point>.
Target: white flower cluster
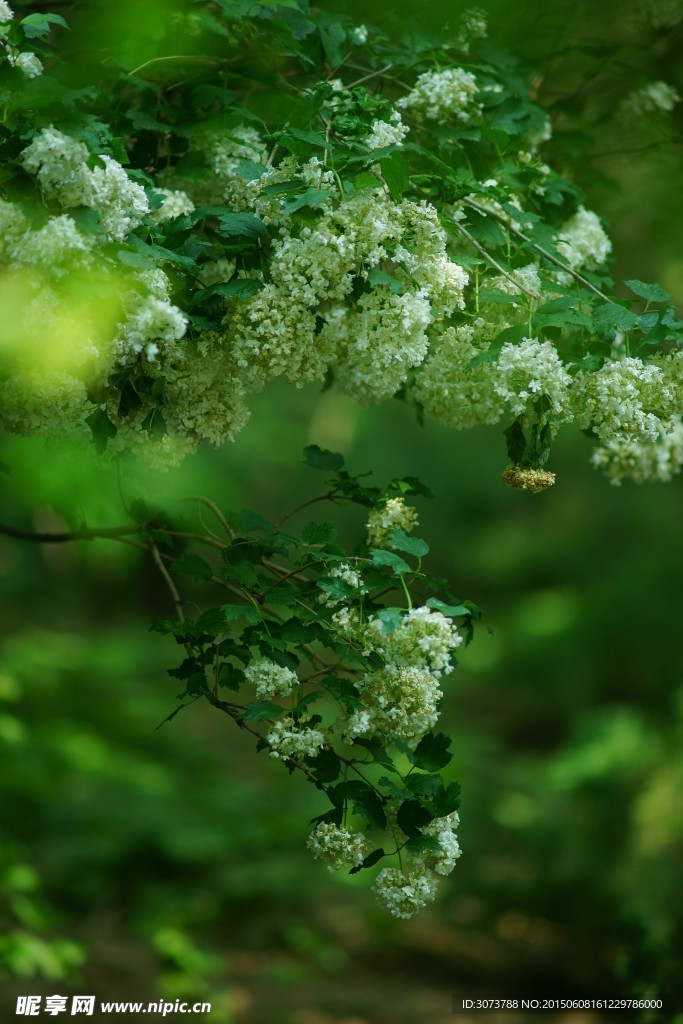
<point>176,203</point>
<point>28,63</point>
<point>359,35</point>
<point>452,391</point>
<point>337,845</point>
<point>403,894</point>
<point>386,134</point>
<point>444,830</point>
<point>582,242</point>
<point>6,12</point>
<point>270,679</point>
<point>530,371</point>
<point>647,462</point>
<point>650,98</point>
<point>625,401</point>
<point>291,739</point>
<point>438,95</point>
<point>394,515</point>
<point>424,639</point>
<point>60,164</point>
<point>473,26</point>
<point>399,703</point>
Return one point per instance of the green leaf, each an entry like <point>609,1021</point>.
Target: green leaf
<point>102,429</point>
<point>431,753</point>
<point>325,766</point>
<point>242,224</point>
<point>649,292</point>
<point>380,278</point>
<point>447,609</point>
<point>424,844</point>
<point>446,800</point>
<point>260,711</point>
<point>321,458</point>
<point>511,334</point>
<point>312,197</point>
<point>613,317</point>
<point>233,612</point>
<point>390,619</point>
<point>412,816</point>
<point>516,442</point>
<point>412,545</point>
<point>194,566</point>
<point>36,25</point>
<point>391,560</point>
<point>396,174</point>
<point>318,533</point>
<point>367,803</point>
<point>369,861</point>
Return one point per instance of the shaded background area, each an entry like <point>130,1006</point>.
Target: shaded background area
<point>138,862</point>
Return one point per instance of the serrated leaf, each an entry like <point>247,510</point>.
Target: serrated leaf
<point>194,566</point>
<point>318,533</point>
<point>400,540</point>
<point>391,560</point>
<point>447,800</point>
<point>367,803</point>
<point>246,225</point>
<point>396,174</point>
<point>412,816</point>
<point>261,711</point>
<point>649,292</point>
<point>312,197</point>
<point>390,619</point>
<point>325,766</point>
<point>613,317</point>
<point>36,25</point>
<point>431,753</point>
<point>447,609</point>
<point>516,442</point>
<point>321,458</point>
<point>233,612</point>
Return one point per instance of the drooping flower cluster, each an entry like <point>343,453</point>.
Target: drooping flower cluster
<point>403,894</point>
<point>438,95</point>
<point>270,679</point>
<point>444,830</point>
<point>336,845</point>
<point>644,462</point>
<point>289,739</point>
<point>625,401</point>
<point>394,515</point>
<point>531,371</point>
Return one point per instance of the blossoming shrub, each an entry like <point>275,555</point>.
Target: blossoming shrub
<point>371,216</point>
<point>336,680</point>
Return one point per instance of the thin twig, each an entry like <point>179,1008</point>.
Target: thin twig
<point>487,256</point>
<point>539,249</point>
<point>85,533</point>
<point>372,74</point>
<point>312,501</point>
<point>228,709</point>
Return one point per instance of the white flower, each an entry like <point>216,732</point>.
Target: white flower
<point>27,63</point>
<point>582,242</point>
<point>336,845</point>
<point>6,12</point>
<point>438,95</point>
<point>385,134</point>
<point>176,203</point>
<point>404,894</point>
<point>271,679</point>
<point>626,401</point>
<point>424,639</point>
<point>529,371</point>
<point>290,739</point>
<point>443,829</point>
<point>397,702</point>
<point>359,35</point>
<point>642,462</point>
<point>395,514</point>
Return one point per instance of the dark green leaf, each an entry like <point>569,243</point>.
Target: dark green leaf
<point>318,533</point>
<point>194,566</point>
<point>261,711</point>
<point>392,560</point>
<point>412,816</point>
<point>431,753</point>
<point>320,458</point>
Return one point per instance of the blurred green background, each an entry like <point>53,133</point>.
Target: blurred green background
<point>137,862</point>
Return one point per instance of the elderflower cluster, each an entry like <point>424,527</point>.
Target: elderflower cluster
<point>647,462</point>
<point>625,401</point>
<point>403,894</point>
<point>386,134</point>
<point>60,164</point>
<point>424,639</point>
<point>394,515</point>
<point>650,98</point>
<point>531,371</point>
<point>337,845</point>
<point>175,204</point>
<point>438,95</point>
<point>449,388</point>
<point>270,679</point>
<point>26,62</point>
<point>293,739</point>
<point>444,830</point>
<point>398,702</point>
<point>582,242</point>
